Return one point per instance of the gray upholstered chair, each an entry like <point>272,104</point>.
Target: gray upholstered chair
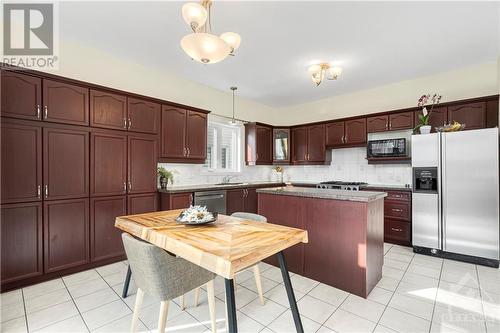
<point>164,277</point>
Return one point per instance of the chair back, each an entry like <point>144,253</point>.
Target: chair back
<point>249,216</point>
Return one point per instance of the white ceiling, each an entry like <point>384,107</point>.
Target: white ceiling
<point>375,42</point>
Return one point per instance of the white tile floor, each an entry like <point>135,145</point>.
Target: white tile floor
<point>416,294</point>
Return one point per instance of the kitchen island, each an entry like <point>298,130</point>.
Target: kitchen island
<point>345,229</point>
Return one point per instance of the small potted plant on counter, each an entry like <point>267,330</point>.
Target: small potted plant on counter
<point>423,118</point>
<point>166,176</point>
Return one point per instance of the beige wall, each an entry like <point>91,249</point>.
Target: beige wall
<point>94,66</point>
<point>475,81</point>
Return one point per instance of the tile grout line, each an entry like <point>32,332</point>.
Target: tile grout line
<point>25,312</point>
<point>435,297</point>
<point>74,303</point>
<point>481,298</point>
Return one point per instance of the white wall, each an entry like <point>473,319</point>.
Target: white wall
<point>474,81</point>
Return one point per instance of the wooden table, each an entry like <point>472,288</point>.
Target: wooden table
<point>224,247</point>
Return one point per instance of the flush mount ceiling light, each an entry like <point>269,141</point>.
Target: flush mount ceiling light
<point>320,71</point>
<point>202,45</point>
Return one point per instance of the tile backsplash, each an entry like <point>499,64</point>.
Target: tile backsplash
<point>348,164</point>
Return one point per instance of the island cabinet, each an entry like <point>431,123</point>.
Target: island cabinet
<point>309,145</point>
<point>349,133</point>
<point>241,200</point>
<point>438,117</point>
<point>258,143</point>
<point>183,135</point>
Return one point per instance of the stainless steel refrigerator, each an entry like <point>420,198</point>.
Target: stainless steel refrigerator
<point>455,199</point>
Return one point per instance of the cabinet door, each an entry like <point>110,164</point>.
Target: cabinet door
<point>397,232</point>
<point>65,163</point>
<point>66,234</point>
<point>173,132</point>
<point>142,159</point>
<point>473,115</point>
<point>108,163</point>
<point>196,135</point>
<point>105,239</point>
<point>251,202</point>
<point>335,133</point>
<point>355,131</point>
<point>21,246</point>
<point>143,116</point>
<point>377,123</point>
<point>21,96</point>
<point>181,200</point>
<point>299,144</point>
<point>281,145</point>
<point>264,145</point>
<point>142,203</point>
<point>400,121</point>
<point>108,110</point>
<point>65,103</point>
<point>438,117</point>
<point>316,143</point>
<point>21,163</point>
<point>235,201</point>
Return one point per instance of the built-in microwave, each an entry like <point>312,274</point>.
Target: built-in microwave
<point>386,148</point>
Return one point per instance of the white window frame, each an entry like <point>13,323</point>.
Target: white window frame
<point>236,147</point>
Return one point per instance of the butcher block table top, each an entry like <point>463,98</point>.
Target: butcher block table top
<point>224,247</point>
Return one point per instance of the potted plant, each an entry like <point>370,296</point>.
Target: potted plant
<point>423,118</point>
<point>279,170</point>
<point>166,176</point>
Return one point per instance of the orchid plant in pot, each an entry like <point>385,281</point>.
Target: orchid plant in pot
<point>423,118</point>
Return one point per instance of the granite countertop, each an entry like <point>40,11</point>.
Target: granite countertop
<point>213,187</point>
<point>386,187</point>
<point>361,196</point>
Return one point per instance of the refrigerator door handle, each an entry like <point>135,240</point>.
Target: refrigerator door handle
<point>442,190</point>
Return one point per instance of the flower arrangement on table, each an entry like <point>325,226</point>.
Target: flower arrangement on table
<point>196,215</point>
<point>423,118</point>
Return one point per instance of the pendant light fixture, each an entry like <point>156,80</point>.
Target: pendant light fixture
<point>233,121</point>
<point>201,45</point>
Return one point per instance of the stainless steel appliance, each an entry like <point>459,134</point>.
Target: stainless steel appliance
<point>339,185</point>
<point>456,195</point>
<point>215,201</point>
<point>386,148</point>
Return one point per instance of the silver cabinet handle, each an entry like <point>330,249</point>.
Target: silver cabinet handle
<point>125,123</point>
<point>129,186</point>
<point>397,230</point>
<point>39,191</point>
<point>397,210</point>
<point>184,151</point>
<point>386,125</point>
<point>188,151</point>
<point>129,123</point>
<point>46,191</point>
<point>390,124</point>
<point>45,112</point>
<point>345,139</point>
<point>124,187</point>
<point>38,111</point>
<point>190,199</point>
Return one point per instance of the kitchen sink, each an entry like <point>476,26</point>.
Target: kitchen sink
<point>231,184</point>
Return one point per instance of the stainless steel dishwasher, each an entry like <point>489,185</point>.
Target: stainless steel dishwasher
<point>214,200</point>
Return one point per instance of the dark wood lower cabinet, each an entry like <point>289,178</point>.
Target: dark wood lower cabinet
<point>169,201</point>
<point>142,203</point>
<point>105,239</point>
<point>66,234</point>
<point>21,241</point>
<point>235,201</point>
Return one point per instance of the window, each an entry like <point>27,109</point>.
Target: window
<point>223,146</point>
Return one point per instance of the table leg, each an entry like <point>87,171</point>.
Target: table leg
<point>290,294</point>
<point>230,306</point>
<point>127,282</point>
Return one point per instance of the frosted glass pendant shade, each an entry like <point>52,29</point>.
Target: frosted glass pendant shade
<point>334,72</point>
<point>205,48</point>
<point>194,14</point>
<point>232,39</point>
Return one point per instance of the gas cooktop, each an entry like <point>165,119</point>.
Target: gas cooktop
<point>341,185</point>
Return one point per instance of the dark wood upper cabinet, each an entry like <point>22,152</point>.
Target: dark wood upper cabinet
<point>335,133</point>
<point>21,96</point>
<point>105,239</point>
<point>299,144</point>
<point>21,241</point>
<point>316,143</point>
<point>281,145</point>
<point>142,159</point>
<point>258,144</point>
<point>21,163</point>
<point>66,234</point>
<point>65,163</point>
<point>142,203</point>
<point>473,115</point>
<point>196,135</point>
<point>65,103</point>
<point>401,121</point>
<point>235,201</point>
<point>492,113</point>
<point>108,163</point>
<point>143,116</point>
<point>173,132</point>
<point>438,117</point>
<point>108,110</point>
<point>355,131</point>
<point>377,123</point>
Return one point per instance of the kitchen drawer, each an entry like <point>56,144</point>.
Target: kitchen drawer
<point>398,196</point>
<point>397,210</point>
<point>397,232</point>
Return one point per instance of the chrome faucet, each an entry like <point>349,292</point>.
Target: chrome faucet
<point>227,179</point>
